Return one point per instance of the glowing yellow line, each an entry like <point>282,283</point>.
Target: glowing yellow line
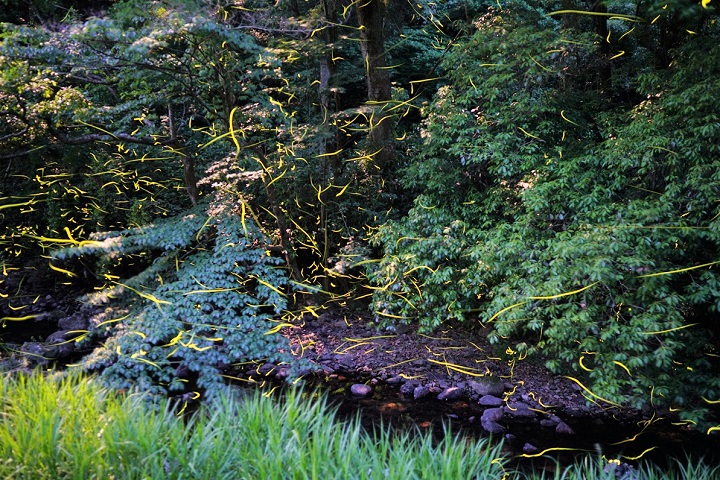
<point>562,114</point>
<point>566,294</point>
<point>62,270</point>
<point>18,319</point>
<point>641,455</point>
<point>669,272</point>
<point>528,133</point>
<point>623,366</point>
<point>590,392</point>
<point>554,449</point>
<point>580,361</point>
<point>630,18</point>
<point>350,347</point>
<point>505,310</point>
<point>401,363</point>
<point>369,338</point>
<point>668,330</point>
<point>457,368</point>
<point>434,338</point>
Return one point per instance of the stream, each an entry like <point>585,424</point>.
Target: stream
<point>529,444</point>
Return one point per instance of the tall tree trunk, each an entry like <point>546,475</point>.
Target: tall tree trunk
<point>370,17</point>
<point>327,73</point>
<point>190,178</point>
<point>601,28</point>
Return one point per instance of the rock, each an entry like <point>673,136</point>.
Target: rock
<point>491,427</point>
<point>39,353</point>
<point>402,329</point>
<point>420,392</point>
<point>620,470</point>
<point>266,369</point>
<point>62,342</point>
<point>408,388</point>
<point>74,322</point>
<point>549,423</point>
<point>450,393</point>
<point>493,414</point>
<point>529,448</point>
<point>520,410</point>
<point>573,412</point>
<point>564,428</point>
<point>490,401</point>
<point>487,386</point>
<point>360,390</point>
<point>395,380</point>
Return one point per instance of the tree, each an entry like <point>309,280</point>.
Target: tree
<point>371,17</point>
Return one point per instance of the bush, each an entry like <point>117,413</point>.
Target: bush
<point>575,230</point>
<point>207,301</point>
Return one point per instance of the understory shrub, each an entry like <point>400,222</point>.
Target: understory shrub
<point>576,230</point>
<point>207,301</point>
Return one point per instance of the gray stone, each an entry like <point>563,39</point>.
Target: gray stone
<point>493,414</point>
<point>529,448</point>
<point>492,427</point>
<point>520,410</point>
<point>38,353</point>
<point>360,390</point>
<point>564,428</point>
<point>62,343</point>
<point>266,368</point>
<point>408,388</point>
<point>490,401</point>
<point>548,423</point>
<point>74,322</point>
<point>451,393</point>
<point>487,386</point>
<point>420,392</point>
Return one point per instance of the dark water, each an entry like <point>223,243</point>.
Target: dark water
<point>658,441</point>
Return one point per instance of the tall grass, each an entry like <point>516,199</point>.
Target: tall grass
<point>68,427</point>
<point>71,428</point>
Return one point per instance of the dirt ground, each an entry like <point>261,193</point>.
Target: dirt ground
<point>450,357</point>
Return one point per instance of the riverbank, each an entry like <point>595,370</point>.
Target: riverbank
<point>60,426</point>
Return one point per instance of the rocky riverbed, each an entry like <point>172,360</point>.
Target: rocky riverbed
<point>401,376</point>
<point>454,376</point>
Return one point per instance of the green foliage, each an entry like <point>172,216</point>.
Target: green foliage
<point>207,302</point>
<point>562,188</point>
<point>586,231</point>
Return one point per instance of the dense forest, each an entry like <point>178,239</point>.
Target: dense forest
<point>211,172</point>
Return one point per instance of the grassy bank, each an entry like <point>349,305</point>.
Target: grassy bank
<point>53,428</point>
